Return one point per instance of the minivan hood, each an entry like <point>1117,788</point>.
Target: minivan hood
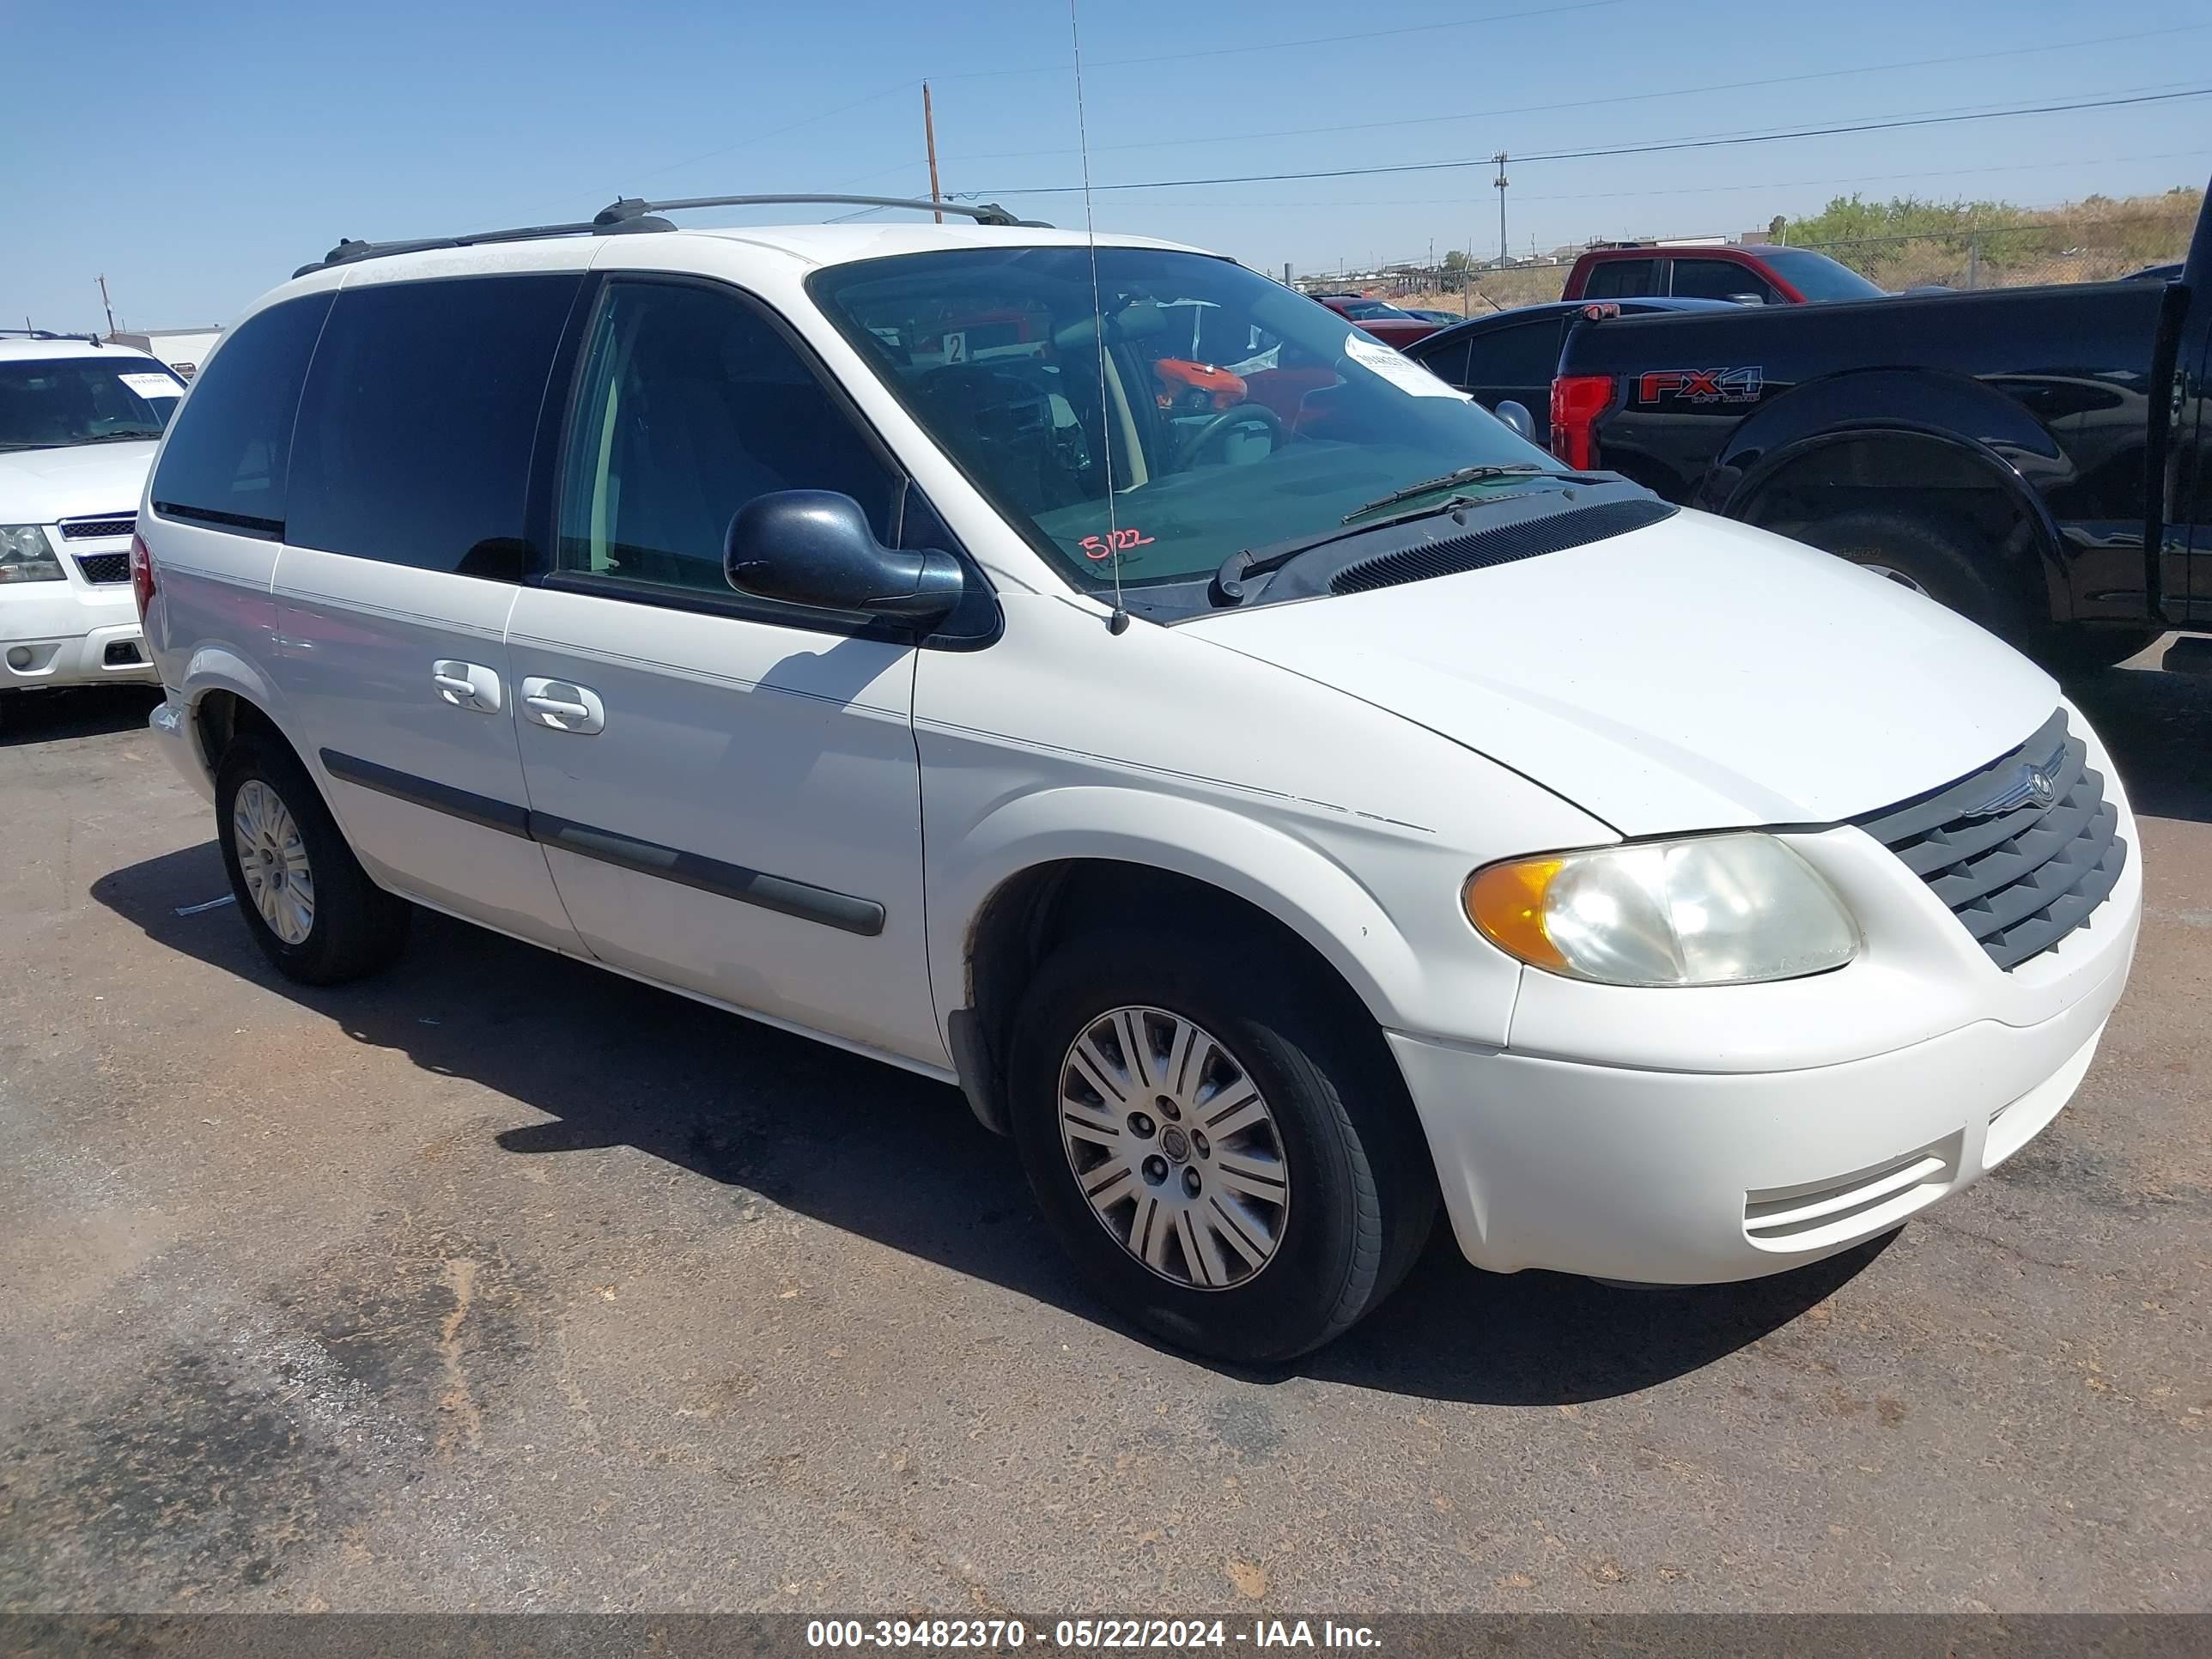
<point>38,486</point>
<point>1697,674</point>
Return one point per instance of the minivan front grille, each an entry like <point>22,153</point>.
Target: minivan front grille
<point>2023,851</point>
<point>110,524</point>
<point>1479,549</point>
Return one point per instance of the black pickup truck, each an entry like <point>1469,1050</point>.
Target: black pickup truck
<point>2038,458</point>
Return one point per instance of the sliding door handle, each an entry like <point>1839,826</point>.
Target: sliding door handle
<point>564,706</point>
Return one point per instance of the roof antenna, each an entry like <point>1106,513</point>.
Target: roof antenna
<point>1119,621</point>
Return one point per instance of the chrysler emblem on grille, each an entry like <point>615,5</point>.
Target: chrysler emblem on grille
<point>2028,785</point>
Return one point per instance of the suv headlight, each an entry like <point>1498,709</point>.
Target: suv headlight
<point>1732,909</point>
<point>26,556</point>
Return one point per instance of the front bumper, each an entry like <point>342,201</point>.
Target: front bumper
<point>1671,1177</point>
<point>65,633</point>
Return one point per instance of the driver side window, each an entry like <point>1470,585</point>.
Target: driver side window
<point>692,404</point>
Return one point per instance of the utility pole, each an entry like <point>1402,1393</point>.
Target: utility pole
<point>106,306</point>
<point>1503,250</point>
<point>929,137</point>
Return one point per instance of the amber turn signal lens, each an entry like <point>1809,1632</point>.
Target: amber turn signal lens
<point>1505,902</point>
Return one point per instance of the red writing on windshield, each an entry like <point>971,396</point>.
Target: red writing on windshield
<point>1098,547</point>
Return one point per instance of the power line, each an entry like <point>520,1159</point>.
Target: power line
<point>1591,103</point>
<point>1720,142</point>
<point>1705,189</point>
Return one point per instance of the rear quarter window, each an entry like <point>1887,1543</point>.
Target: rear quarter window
<point>225,462</point>
<point>1622,279</point>
<point>419,419</point>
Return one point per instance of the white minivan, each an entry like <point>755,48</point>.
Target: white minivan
<point>78,423</point>
<point>1277,795</point>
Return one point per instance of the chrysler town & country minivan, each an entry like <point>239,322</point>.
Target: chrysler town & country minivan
<point>1285,811</point>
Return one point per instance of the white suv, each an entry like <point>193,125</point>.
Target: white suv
<point>1277,795</point>
<point>79,422</point>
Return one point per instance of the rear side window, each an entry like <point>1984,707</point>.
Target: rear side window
<point>225,460</point>
<point>1622,279</point>
<point>1448,361</point>
<point>419,418</point>
<point>1525,355</point>
<point>1718,279</point>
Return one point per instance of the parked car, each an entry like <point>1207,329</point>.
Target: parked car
<point>78,425</point>
<point>1392,325</point>
<point>2033,458</point>
<point>1429,315</point>
<point>1280,818</point>
<point>1756,274</point>
<point>1510,356</point>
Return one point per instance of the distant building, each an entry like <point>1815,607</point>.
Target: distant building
<point>183,348</point>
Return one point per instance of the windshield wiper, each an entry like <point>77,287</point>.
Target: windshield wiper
<point>118,438</point>
<point>1466,475</point>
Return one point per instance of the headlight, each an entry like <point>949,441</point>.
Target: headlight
<point>25,555</point>
<point>1709,910</point>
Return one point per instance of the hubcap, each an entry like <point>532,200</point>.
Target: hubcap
<point>1174,1147</point>
<point>274,861</point>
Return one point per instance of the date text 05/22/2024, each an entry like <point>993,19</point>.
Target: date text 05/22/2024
<point>1087,1635</point>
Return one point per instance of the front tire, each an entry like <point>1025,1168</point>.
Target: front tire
<point>307,900</point>
<point>1224,1148</point>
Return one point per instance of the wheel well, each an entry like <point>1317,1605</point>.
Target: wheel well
<point>1940,483</point>
<point>220,718</point>
<point>1032,914</point>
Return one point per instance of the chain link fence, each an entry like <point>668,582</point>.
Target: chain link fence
<point>2091,250</point>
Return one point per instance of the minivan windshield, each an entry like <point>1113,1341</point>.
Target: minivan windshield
<point>54,403</point>
<point>1229,411</point>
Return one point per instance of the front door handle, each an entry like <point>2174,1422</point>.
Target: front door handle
<point>564,706</point>
<point>467,685</point>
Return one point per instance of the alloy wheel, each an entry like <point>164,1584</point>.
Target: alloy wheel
<point>1174,1147</point>
<point>273,858</point>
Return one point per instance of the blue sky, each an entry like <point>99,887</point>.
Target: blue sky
<point>196,155</point>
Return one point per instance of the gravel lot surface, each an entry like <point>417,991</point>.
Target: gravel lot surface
<point>502,1282</point>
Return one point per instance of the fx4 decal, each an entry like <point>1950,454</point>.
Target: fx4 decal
<point>1701,385</point>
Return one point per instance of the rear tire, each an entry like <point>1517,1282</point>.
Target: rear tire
<point>1930,560</point>
<point>1220,1269</point>
<point>307,900</point>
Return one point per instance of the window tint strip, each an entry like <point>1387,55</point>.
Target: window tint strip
<point>731,881</point>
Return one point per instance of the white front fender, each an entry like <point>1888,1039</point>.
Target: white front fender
<point>1445,981</point>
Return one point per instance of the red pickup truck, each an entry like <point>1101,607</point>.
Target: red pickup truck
<point>1755,274</point>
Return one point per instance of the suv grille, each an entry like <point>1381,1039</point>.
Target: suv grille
<point>2021,867</point>
<point>104,568</point>
<point>112,524</point>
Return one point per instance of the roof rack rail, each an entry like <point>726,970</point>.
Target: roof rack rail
<point>49,334</point>
<point>630,214</point>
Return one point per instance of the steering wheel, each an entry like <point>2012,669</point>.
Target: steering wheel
<point>1237,415</point>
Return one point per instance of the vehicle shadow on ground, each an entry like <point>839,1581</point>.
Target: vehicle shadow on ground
<point>89,711</point>
<point>2158,727</point>
<point>900,1160</point>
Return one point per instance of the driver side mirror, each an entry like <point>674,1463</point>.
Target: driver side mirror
<point>1516,416</point>
<point>814,547</point>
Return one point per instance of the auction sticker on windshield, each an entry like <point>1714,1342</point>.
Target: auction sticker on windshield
<point>1401,372</point>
